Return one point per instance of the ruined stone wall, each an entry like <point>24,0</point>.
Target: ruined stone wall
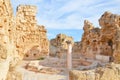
<point>110,72</point>
<point>90,39</point>
<point>104,40</point>
<point>59,45</point>
<point>76,47</point>
<point>31,38</point>
<point>19,35</point>
<point>60,41</point>
<point>110,24</point>
<point>9,59</point>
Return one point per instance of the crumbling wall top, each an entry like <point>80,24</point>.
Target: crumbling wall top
<point>87,26</point>
<point>109,20</point>
<point>6,8</point>
<point>29,10</point>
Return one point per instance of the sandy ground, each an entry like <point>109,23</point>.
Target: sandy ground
<point>51,63</point>
<point>52,68</point>
<point>27,75</point>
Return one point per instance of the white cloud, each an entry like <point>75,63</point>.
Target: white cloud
<point>26,1</point>
<point>70,14</point>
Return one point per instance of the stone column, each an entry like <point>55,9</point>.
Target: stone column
<point>69,56</point>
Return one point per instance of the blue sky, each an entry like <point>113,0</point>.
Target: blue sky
<point>67,16</point>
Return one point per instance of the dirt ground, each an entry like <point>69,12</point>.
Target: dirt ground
<point>52,69</point>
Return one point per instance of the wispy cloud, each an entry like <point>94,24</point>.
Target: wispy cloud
<point>70,14</point>
<point>26,1</point>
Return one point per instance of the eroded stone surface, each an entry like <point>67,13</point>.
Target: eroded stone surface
<point>32,39</point>
<point>110,72</point>
<point>104,40</point>
<point>19,36</point>
<point>101,45</point>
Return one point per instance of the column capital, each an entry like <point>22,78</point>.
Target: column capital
<point>68,42</point>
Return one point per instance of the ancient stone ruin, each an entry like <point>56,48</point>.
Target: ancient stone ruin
<point>109,72</point>
<point>32,39</point>
<point>76,47</point>
<point>19,36</point>
<point>22,38</point>
<point>58,46</point>
<point>100,46</point>
<point>104,40</point>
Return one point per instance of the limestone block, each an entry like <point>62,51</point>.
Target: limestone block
<point>116,56</point>
<point>14,75</point>
<point>4,68</point>
<point>110,72</point>
<point>3,52</point>
<point>103,58</point>
<point>76,75</point>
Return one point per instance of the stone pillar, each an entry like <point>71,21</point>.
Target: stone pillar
<point>69,56</point>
